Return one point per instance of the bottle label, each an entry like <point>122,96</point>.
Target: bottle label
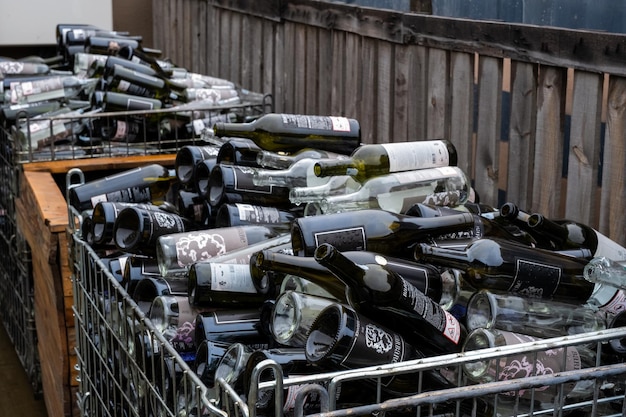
<point>548,362</point>
<point>343,239</point>
<point>431,312</point>
<point>258,214</point>
<point>138,104</point>
<point>617,304</point>
<point>243,181</point>
<point>535,280</point>
<point>128,195</point>
<point>32,91</point>
<point>194,247</point>
<point>339,124</point>
<point>374,345</point>
<point>609,248</point>
<point>405,156</point>
<point>232,278</point>
<point>236,316</point>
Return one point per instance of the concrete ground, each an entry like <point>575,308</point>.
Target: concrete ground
<point>16,394</point>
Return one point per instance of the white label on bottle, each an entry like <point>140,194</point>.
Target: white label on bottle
<point>123,85</point>
<point>121,130</point>
<point>231,277</point>
<point>198,126</point>
<point>617,304</point>
<point>609,248</point>
<point>258,214</point>
<point>98,198</point>
<point>340,124</point>
<point>405,156</point>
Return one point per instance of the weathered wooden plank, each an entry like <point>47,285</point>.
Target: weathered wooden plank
<point>584,148</point>
<point>489,105</point>
<point>437,99</point>
<point>384,93</point>
<point>199,39</point>
<point>353,94</point>
<point>158,19</point>
<point>226,49</point>
<point>236,38</point>
<point>246,66</point>
<point>612,219</point>
<point>255,80</point>
<point>548,165</point>
<point>172,32</point>
<point>270,38</point>
<point>367,113</point>
<point>186,55</point>
<point>401,92</point>
<point>418,92</point>
<point>289,67</point>
<point>278,61</point>
<point>310,71</point>
<point>522,133</point>
<point>212,41</point>
<point>459,130</point>
<point>325,71</point>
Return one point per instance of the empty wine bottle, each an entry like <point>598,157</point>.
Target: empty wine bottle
<point>247,214</point>
<point>240,325</point>
<point>505,266</point>
<point>568,234</point>
<point>342,338</point>
<point>371,160</point>
<point>213,284</point>
<point>175,252</point>
<point>377,291</point>
<point>208,355</point>
<point>188,157</point>
<point>136,268</point>
<point>148,183</point>
<point>397,192</point>
<point>51,88</point>
<point>233,184</point>
<point>441,285</point>
<point>238,151</point>
<point>373,230</point>
<point>531,316</point>
<point>195,208</point>
<point>276,160</point>
<point>292,132</point>
<point>337,185</point>
<point>298,174</point>
<point>104,215</point>
<point>149,287</point>
<point>136,230</point>
<point>293,315</point>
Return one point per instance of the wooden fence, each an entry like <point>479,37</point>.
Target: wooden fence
<point>537,114</point>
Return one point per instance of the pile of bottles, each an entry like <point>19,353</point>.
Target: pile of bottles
<point>105,91</point>
<point>286,238</point>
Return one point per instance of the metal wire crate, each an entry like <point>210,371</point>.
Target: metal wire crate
<point>128,368</point>
<point>54,138</point>
<point>16,284</point>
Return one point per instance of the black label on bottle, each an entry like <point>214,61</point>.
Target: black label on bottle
<point>343,239</point>
<point>243,181</point>
<point>535,280</point>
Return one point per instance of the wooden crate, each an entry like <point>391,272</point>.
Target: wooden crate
<point>42,219</point>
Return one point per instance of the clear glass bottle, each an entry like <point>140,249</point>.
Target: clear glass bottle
<point>280,160</point>
<point>534,317</point>
<point>397,192</point>
<point>337,185</point>
<point>293,132</point>
<point>378,292</point>
<point>605,271</point>
<point>298,174</point>
<point>505,266</point>
<point>371,160</point>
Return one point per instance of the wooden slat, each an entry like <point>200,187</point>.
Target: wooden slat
<point>308,52</point>
<point>290,64</point>
<point>268,73</point>
<point>246,67</point>
<point>488,129</point>
<point>584,148</point>
<point>612,219</point>
<point>417,101</point>
<point>368,100</point>
<point>384,94</point>
<point>353,95</point>
<point>212,41</point>
<point>401,93</point>
<point>549,141</point>
<point>325,67</point>
<point>97,164</point>
<point>227,44</point>
<point>437,87</point>
<point>522,133</point>
<point>461,108</point>
<point>255,80</point>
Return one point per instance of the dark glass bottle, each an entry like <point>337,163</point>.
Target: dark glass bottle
<point>208,355</point>
<point>441,285</point>
<point>240,214</point>
<point>505,266</point>
<point>569,234</point>
<point>213,284</point>
<point>291,132</point>
<point>104,215</point>
<point>240,325</point>
<point>150,287</point>
<point>136,268</point>
<point>341,338</point>
<point>376,291</point>
<point>202,176</point>
<point>108,45</point>
<point>187,159</point>
<point>239,151</point>
<point>148,183</point>
<point>136,230</point>
<point>373,230</point>
<point>195,208</point>
<point>233,184</point>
